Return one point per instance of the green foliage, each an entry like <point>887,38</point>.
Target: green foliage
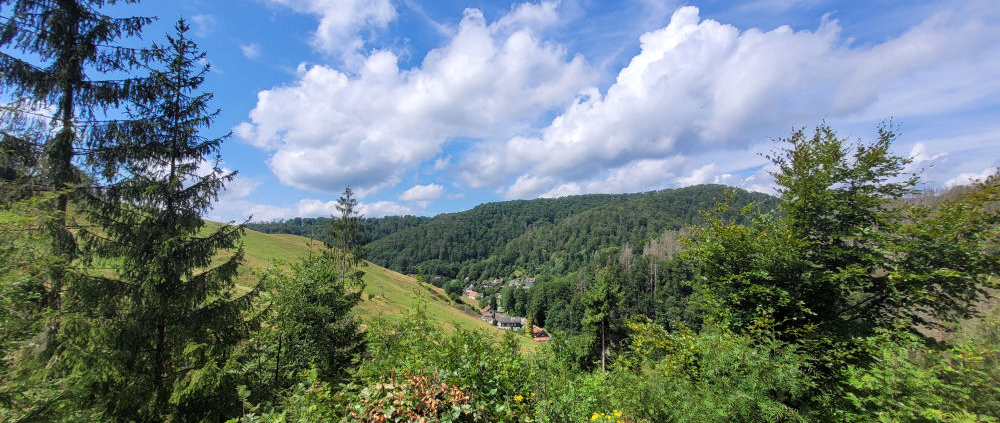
<point>603,309</point>
<point>750,273</point>
<point>20,167</point>
<point>309,400</point>
<point>348,241</point>
<point>71,40</point>
<point>563,395</point>
<point>895,387</point>
<point>51,54</point>
<point>850,272</point>
<point>454,290</point>
<point>553,236</point>
<point>409,356</point>
<point>717,375</point>
<point>309,344</point>
<point>973,367</point>
<point>153,337</point>
<point>309,323</point>
<point>25,255</point>
<point>947,257</point>
<point>682,376</point>
<point>842,261</point>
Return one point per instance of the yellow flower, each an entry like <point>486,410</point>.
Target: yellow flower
<point>518,398</point>
<point>617,413</point>
<point>595,416</point>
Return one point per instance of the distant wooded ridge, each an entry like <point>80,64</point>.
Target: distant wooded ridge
<point>546,235</point>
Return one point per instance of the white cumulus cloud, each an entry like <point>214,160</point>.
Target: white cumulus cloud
<point>383,208</point>
<point>330,129</point>
<point>306,207</point>
<point>699,88</point>
<point>422,195</point>
<point>970,177</point>
<point>342,21</point>
<point>700,175</point>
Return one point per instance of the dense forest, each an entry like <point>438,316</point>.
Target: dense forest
<point>542,236</point>
<point>848,298</point>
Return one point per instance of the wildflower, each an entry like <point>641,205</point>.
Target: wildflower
<point>518,398</point>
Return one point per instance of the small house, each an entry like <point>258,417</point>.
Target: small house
<point>489,315</point>
<point>539,334</point>
<point>510,323</point>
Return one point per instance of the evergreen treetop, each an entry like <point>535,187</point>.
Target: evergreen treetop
<point>59,44</point>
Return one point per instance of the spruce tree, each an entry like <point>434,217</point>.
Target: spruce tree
<point>604,308</point>
<point>70,38</point>
<point>348,239</point>
<point>56,61</point>
<point>310,323</point>
<point>165,325</point>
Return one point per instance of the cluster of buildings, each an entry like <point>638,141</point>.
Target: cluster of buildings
<point>503,321</point>
<point>525,283</point>
<point>470,291</point>
<point>497,318</point>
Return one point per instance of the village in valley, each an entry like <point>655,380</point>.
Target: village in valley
<point>487,292</point>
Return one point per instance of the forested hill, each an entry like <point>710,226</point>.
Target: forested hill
<point>318,227</point>
<point>544,235</point>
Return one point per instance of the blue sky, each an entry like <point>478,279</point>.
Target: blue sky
<point>432,107</point>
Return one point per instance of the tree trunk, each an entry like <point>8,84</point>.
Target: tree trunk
<point>160,364</point>
<point>277,363</point>
<point>604,351</point>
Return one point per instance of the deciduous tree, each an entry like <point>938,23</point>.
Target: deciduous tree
<point>846,257</point>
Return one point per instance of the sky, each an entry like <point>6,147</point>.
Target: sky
<point>434,107</point>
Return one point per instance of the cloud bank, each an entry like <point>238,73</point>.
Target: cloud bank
<point>501,107</point>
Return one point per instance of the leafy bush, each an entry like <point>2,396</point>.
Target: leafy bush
<point>415,369</point>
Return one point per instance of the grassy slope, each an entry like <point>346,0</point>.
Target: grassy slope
<point>392,294</point>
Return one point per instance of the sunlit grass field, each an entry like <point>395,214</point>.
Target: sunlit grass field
<point>387,293</point>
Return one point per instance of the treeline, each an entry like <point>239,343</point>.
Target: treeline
<point>453,241</point>
<point>319,227</point>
